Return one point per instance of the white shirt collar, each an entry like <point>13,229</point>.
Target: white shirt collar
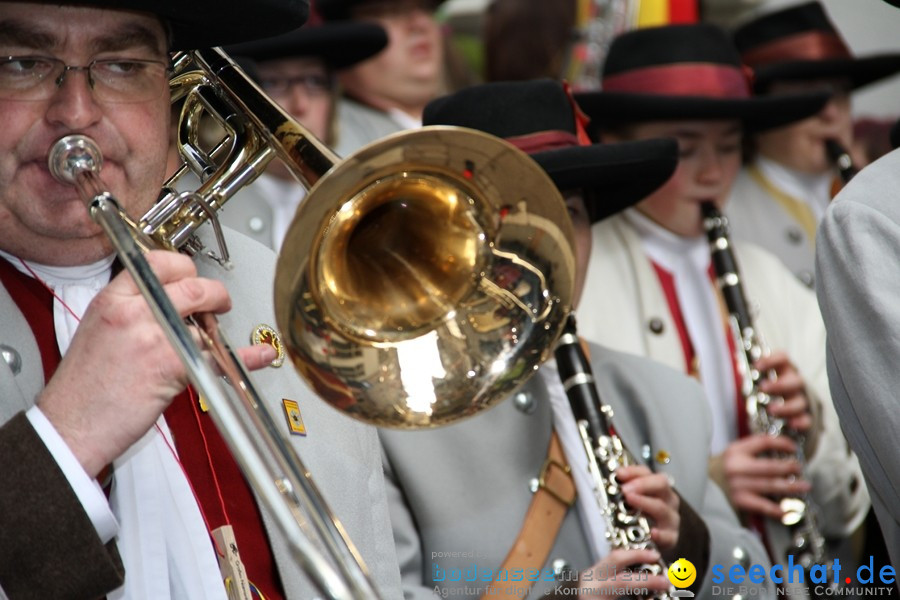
<point>404,119</point>
<point>815,190</point>
<point>58,276</point>
<point>665,247</point>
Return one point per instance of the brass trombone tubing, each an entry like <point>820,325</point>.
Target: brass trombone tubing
<point>270,464</point>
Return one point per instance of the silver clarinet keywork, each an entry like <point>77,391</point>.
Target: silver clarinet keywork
<point>807,543</point>
<point>626,528</point>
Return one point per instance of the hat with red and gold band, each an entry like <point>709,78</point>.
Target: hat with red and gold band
<point>680,72</point>
<point>801,43</point>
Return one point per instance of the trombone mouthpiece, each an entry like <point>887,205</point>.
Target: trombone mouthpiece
<point>74,154</point>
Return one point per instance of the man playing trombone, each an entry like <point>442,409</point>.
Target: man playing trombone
<point>87,372</point>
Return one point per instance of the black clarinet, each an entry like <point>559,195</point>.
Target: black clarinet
<point>842,160</point>
<point>626,528</point>
<point>807,542</point>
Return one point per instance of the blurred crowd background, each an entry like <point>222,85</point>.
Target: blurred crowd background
<point>532,32</point>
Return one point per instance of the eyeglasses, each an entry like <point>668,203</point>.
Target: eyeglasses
<point>313,85</point>
<point>114,80</point>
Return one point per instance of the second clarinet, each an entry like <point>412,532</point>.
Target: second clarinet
<point>807,542</point>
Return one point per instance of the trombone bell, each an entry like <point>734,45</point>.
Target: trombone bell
<point>425,277</point>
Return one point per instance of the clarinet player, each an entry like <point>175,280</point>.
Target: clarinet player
<point>688,82</point>
<point>466,499</point>
<point>792,172</point>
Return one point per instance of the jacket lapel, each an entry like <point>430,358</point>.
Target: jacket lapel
<point>657,329</point>
<point>19,391</point>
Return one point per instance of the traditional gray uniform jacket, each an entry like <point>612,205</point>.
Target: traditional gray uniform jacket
<point>248,213</point>
<point>755,216</point>
<point>628,311</point>
<point>858,289</point>
<point>49,548</point>
<point>359,125</point>
<point>458,494</point>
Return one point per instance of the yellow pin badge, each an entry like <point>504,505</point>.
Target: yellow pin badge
<point>293,416</point>
<point>265,334</point>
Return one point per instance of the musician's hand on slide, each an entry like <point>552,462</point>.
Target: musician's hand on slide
<point>795,410</point>
<point>120,372</point>
<point>752,480</point>
<point>606,579</point>
<point>652,494</point>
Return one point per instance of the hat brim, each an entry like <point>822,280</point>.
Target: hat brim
<point>341,10</point>
<point>860,71</point>
<point>204,23</point>
<point>622,174</point>
<point>757,113</point>
<point>338,44</point>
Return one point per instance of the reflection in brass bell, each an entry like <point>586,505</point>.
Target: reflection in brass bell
<point>422,282</point>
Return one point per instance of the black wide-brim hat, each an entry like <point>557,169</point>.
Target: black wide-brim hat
<point>338,44</point>
<point>203,23</point>
<point>539,118</point>
<point>801,43</point>
<point>680,72</point>
<point>342,10</point>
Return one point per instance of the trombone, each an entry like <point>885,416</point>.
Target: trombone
<point>471,241</point>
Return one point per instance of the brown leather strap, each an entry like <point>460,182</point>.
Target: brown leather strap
<point>554,496</point>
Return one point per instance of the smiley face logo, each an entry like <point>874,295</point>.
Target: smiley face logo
<point>682,573</point>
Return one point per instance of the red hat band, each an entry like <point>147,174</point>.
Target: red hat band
<point>682,79</point>
<point>544,140</point>
<point>809,45</point>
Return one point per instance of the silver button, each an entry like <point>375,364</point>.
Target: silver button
<point>807,278</point>
<point>256,224</point>
<point>562,570</point>
<point>12,358</point>
<point>795,235</point>
<point>656,325</point>
<point>739,554</point>
<point>524,402</point>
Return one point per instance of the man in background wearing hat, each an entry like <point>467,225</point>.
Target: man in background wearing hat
<point>461,501</point>
<point>857,286</point>
<point>687,82</point>
<point>298,71</point>
<point>387,93</point>
<point>87,372</point>
<point>780,196</point>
